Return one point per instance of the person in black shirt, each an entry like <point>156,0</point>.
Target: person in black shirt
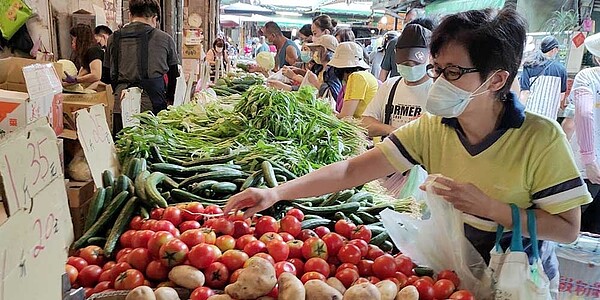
<point>102,33</point>
<point>88,56</point>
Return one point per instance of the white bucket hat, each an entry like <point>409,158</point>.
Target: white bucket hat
<point>327,41</point>
<point>592,44</point>
<point>348,55</point>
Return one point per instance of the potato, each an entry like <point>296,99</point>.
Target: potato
<point>362,291</point>
<point>256,280</point>
<point>408,293</point>
<point>187,277</point>
<point>336,284</point>
<point>141,293</point>
<point>290,287</point>
<point>220,297</point>
<point>388,289</point>
<point>319,290</point>
<point>166,293</point>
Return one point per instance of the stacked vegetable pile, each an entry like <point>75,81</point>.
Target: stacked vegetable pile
<point>236,83</point>
<point>195,247</point>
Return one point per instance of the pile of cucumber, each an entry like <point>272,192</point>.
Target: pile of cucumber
<point>227,86</point>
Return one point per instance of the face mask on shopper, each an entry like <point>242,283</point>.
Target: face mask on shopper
<point>412,74</point>
<point>305,56</point>
<point>219,49</point>
<point>449,101</point>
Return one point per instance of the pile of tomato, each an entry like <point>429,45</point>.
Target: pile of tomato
<point>220,246</point>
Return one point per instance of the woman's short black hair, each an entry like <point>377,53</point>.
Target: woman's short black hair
<point>341,72</point>
<point>305,30</point>
<point>494,39</point>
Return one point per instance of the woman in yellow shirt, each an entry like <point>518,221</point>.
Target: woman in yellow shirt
<point>361,85</point>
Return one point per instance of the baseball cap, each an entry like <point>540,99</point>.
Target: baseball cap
<point>548,43</point>
<point>327,41</point>
<point>413,44</point>
<point>348,55</point>
<point>592,44</point>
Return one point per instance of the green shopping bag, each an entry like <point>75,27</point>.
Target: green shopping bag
<point>13,15</point>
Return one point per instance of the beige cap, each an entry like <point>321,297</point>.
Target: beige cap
<point>348,55</point>
<point>328,41</point>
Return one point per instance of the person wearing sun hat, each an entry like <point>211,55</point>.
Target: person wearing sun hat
<point>360,84</point>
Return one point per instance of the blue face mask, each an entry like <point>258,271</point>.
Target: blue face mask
<point>305,56</point>
<point>412,74</point>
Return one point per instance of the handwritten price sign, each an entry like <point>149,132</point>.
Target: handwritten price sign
<point>96,141</point>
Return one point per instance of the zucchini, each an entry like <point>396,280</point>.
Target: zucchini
<point>199,187</point>
<point>366,217</point>
<point>105,219</point>
<point>151,190</point>
<point>269,174</point>
<point>314,223</point>
<point>360,196</point>
<point>155,154</point>
<point>346,208</point>
<point>331,199</point>
<point>224,175</point>
<point>96,241</point>
<point>107,178</point>
<point>355,219</point>
<point>120,225</point>
<point>211,160</point>
<point>140,190</point>
<point>95,208</point>
<point>224,188</point>
<point>183,196</point>
<point>380,238</point>
<point>252,180</point>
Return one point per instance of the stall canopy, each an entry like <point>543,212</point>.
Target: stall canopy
<point>247,9</point>
<point>443,7</point>
<point>287,21</point>
<point>354,9</point>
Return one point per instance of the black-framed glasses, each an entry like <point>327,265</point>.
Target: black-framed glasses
<point>451,73</point>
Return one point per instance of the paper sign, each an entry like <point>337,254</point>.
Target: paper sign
<point>41,80</point>
<point>97,142</point>
<point>180,89</point>
<point>130,105</point>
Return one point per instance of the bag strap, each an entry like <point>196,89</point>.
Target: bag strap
<point>516,241</point>
<point>499,232</point>
<point>532,228</point>
<point>540,74</point>
<point>389,107</point>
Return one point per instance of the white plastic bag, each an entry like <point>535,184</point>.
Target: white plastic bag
<point>131,101</point>
<point>279,77</point>
<point>440,243</point>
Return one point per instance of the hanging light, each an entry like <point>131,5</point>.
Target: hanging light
<point>383,20</point>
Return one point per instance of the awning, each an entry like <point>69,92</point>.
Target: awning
<point>443,7</point>
<point>287,21</point>
<point>244,8</point>
<point>353,9</point>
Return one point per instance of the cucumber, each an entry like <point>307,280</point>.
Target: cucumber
<point>375,230</point>
<point>140,190</point>
<point>313,201</point>
<point>121,184</point>
<point>155,154</point>
<point>169,183</point>
<point>144,213</point>
<point>314,223</point>
<point>310,217</point>
<point>120,225</point>
<point>346,208</point>
<point>387,246</point>
<point>107,178</point>
<point>252,180</point>
<point>282,170</point>
<point>223,175</point>
<point>130,185</point>
<point>150,187</point>
<point>423,271</point>
<point>189,171</point>
<point>331,199</point>
<point>224,188</point>
<point>199,187</point>
<point>280,178</point>
<point>167,168</point>
<point>211,160</point>
<point>360,196</point>
<point>107,216</point>
<point>366,217</point>
<point>108,197</point>
<point>183,196</point>
<point>239,182</point>
<point>135,167</point>
<point>95,208</point>
<point>345,195</point>
<point>339,216</point>
<point>174,160</point>
<point>380,238</point>
<point>96,241</point>
<point>355,219</point>
<point>269,174</point>
<point>143,166</point>
<point>374,210</point>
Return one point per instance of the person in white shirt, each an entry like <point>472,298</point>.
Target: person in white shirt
<point>402,99</point>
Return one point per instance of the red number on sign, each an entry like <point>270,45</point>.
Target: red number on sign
<point>40,246</point>
<point>46,232</point>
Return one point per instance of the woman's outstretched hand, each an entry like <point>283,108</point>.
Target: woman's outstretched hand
<point>252,200</point>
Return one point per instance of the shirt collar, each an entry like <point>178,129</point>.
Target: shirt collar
<point>513,117</point>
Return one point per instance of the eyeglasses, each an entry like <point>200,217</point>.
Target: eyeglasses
<point>451,73</point>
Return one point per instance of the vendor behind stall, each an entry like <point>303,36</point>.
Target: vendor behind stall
<point>88,56</point>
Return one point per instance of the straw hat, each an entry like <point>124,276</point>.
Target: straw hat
<point>348,55</point>
<point>327,41</point>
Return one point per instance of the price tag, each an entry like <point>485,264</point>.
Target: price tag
<point>131,105</point>
<point>97,142</point>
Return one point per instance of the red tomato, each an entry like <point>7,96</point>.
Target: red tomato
<point>405,265</point>
<point>312,275</point>
<point>72,272</point>
<point>462,295</point>
<point>373,279</point>
<point>240,228</point>
<point>402,279</point>
<point>443,288</point>
<point>157,213</point>
<point>139,258</point>
<point>234,276</point>
<point>291,225</point>
<point>173,215</point>
<point>89,276</point>
<point>361,280</point>
<point>347,266</point>
<point>254,247</point>
<point>268,257</point>
<point>106,275</point>
<point>202,255</point>
<point>136,223</point>
<point>332,270</point>
<point>428,279</point>
<point>213,210</point>
<point>374,252</point>
<point>269,236</point>
<point>450,275</point>
<point>126,239</point>
<point>361,232</point>
<point>234,259</point>
<point>321,231</point>
<point>296,213</point>
<point>77,262</point>
<point>295,247</point>
<point>94,255</point>
<point>129,279</point>
<point>384,266</point>
<point>101,287</point>
<point>217,275</point>
<point>192,237</point>
<point>241,242</point>
<point>274,293</point>
<point>141,237</point>
<point>188,225</point>
<point>148,224</point>
<point>314,247</point>
<point>316,264</point>
<point>347,276</point>
<point>412,279</point>
<point>266,224</point>
<point>279,250</point>
<point>225,242</point>
<point>286,236</point>
<point>344,228</point>
<point>163,225</point>
<point>202,293</point>
<point>365,268</point>
<point>156,271</point>
<point>157,240</point>
<point>349,254</point>
<point>108,265</point>
<point>305,234</point>
<point>210,237</point>
<point>298,264</point>
<point>223,226</point>
<point>118,269</point>
<point>425,289</point>
<point>334,243</point>
<point>284,266</point>
<point>173,253</point>
<point>362,245</point>
<point>192,211</point>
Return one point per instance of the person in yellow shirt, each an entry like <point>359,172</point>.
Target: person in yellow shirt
<point>361,85</point>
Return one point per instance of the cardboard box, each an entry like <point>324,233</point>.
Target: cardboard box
<point>192,51</point>
<point>11,73</point>
<point>579,268</point>
<point>84,17</point>
<point>75,102</point>
<point>78,215</point>
<point>18,110</point>
<point>79,192</point>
